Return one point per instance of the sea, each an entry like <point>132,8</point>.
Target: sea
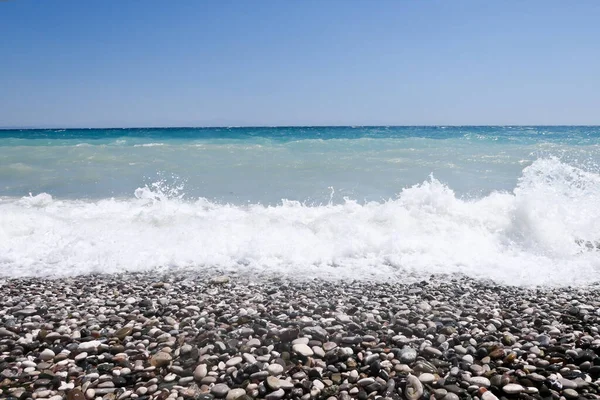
<point>516,205</point>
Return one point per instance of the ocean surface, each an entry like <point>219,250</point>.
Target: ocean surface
<point>518,205</point>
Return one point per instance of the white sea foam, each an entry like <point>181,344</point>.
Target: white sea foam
<point>149,145</point>
<point>543,232</point>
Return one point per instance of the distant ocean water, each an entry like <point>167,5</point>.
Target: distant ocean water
<point>519,205</point>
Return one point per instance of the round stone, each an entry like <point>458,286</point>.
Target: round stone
<point>408,355</point>
<point>219,390</point>
<point>426,378</point>
<point>200,372</point>
<point>275,369</point>
<point>273,383</point>
<point>161,359</point>
<point>47,355</point>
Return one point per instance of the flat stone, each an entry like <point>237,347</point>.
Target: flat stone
<point>303,349</point>
<point>433,351</point>
<point>261,375</point>
<point>318,351</point>
<point>480,381</point>
<point>26,312</point>
<point>170,377</point>
<point>567,384</point>
<point>536,377</point>
<point>103,391</point>
<point>450,396</point>
<point>6,333</point>
<point>89,346</point>
<point>220,280</point>
<point>318,384</point>
<point>300,340</point>
<point>365,381</point>
<point>570,393</point>
<point>328,346</point>
<point>232,362</point>
<point>316,332</point>
<point>285,384</point>
<point>123,332</point>
<point>276,395</point>
<point>513,388</point>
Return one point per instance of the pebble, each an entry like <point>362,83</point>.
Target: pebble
<point>480,381</point>
<point>303,349</point>
<point>570,393</point>
<point>276,395</point>
<point>433,351</point>
<point>161,359</point>
<point>414,388</point>
<point>513,388</point>
<point>451,396</point>
<point>185,336</point>
<point>200,372</point>
<point>273,382</point>
<point>89,346</point>
<point>408,355</point>
<point>232,362</point>
<point>235,394</point>
<point>426,378</point>
<point>47,355</point>
<point>275,369</point>
<point>219,390</point>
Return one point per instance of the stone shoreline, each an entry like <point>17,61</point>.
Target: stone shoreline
<point>152,336</point>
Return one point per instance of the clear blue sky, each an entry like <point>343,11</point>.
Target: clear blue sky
<point>199,63</point>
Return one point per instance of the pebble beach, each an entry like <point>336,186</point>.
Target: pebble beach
<point>183,336</point>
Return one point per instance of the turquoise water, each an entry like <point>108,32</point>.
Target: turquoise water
<point>521,134</point>
<point>266,165</point>
<point>519,205</point>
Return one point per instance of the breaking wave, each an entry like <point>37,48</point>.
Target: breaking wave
<point>544,232</point>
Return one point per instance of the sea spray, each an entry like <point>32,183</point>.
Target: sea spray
<point>531,235</point>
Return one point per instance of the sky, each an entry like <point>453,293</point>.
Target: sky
<point>116,63</point>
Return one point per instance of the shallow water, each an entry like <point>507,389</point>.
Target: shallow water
<point>520,205</point>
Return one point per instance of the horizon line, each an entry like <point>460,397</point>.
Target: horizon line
<point>30,128</point>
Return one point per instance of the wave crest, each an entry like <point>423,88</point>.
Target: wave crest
<point>537,234</point>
